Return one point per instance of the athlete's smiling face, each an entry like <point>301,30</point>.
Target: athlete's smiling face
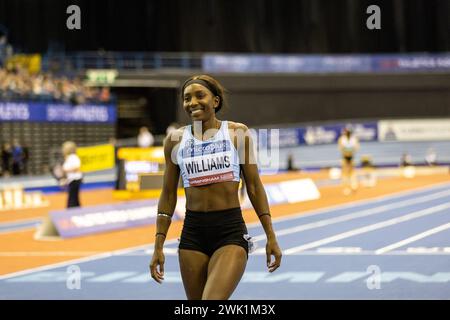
<point>199,102</point>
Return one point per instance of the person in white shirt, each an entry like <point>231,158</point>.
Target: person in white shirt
<point>73,174</point>
<point>348,145</point>
<point>145,138</point>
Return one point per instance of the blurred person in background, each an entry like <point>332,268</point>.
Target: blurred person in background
<point>431,157</point>
<point>348,145</point>
<point>17,158</point>
<point>5,47</point>
<point>105,94</point>
<point>145,138</point>
<point>368,176</point>
<point>73,174</point>
<point>290,163</point>
<point>26,158</point>
<point>6,154</point>
<point>214,243</point>
<point>405,160</point>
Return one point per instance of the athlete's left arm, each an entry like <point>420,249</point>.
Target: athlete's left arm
<point>256,192</point>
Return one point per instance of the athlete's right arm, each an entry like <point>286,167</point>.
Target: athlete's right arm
<point>166,207</point>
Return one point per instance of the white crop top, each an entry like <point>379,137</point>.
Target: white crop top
<point>348,145</point>
<point>210,161</point>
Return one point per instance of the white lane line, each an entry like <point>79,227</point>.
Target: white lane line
<point>18,221</point>
<point>368,228</point>
<point>19,226</point>
<point>413,238</point>
<point>433,250</point>
<point>48,253</point>
<point>360,214</point>
<point>339,250</point>
<point>81,260</point>
<point>362,202</point>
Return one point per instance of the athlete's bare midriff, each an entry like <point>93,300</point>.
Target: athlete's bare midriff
<point>213,197</point>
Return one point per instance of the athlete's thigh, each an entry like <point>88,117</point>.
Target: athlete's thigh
<point>194,271</point>
<point>226,267</point>
<point>345,166</point>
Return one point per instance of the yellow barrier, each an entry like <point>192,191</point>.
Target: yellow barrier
<point>96,158</point>
<point>153,154</point>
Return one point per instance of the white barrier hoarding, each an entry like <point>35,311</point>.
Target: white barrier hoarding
<point>414,130</point>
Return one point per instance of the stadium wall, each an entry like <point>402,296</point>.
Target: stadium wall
<point>294,98</point>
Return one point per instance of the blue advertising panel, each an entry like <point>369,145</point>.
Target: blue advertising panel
<point>326,63</point>
<point>50,112</point>
<point>327,134</point>
<point>89,220</point>
<point>318,134</point>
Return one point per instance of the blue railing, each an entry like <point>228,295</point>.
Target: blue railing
<point>248,63</point>
<point>120,60</point>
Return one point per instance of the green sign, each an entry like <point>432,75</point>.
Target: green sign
<point>101,76</point>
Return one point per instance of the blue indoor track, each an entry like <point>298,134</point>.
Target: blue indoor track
<point>391,247</point>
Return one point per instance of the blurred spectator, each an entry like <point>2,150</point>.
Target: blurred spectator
<point>290,163</point>
<point>17,158</point>
<point>26,157</point>
<point>145,138</point>
<point>2,49</point>
<point>405,160</point>
<point>368,176</point>
<point>105,95</point>
<point>6,154</point>
<point>431,157</point>
<point>73,174</point>
<point>5,47</point>
<point>16,83</point>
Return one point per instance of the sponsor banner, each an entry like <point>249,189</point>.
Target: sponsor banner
<point>411,62</point>
<point>154,154</point>
<point>203,180</point>
<point>329,134</point>
<point>249,63</point>
<point>414,130</point>
<point>291,191</point>
<point>133,169</point>
<point>299,190</point>
<point>96,158</point>
<point>284,63</point>
<point>79,113</point>
<point>320,134</point>
<point>83,221</point>
<point>288,137</point>
<point>324,134</point>
<point>193,150</point>
<point>50,112</point>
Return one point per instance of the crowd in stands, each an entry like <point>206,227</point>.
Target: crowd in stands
<point>18,84</point>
